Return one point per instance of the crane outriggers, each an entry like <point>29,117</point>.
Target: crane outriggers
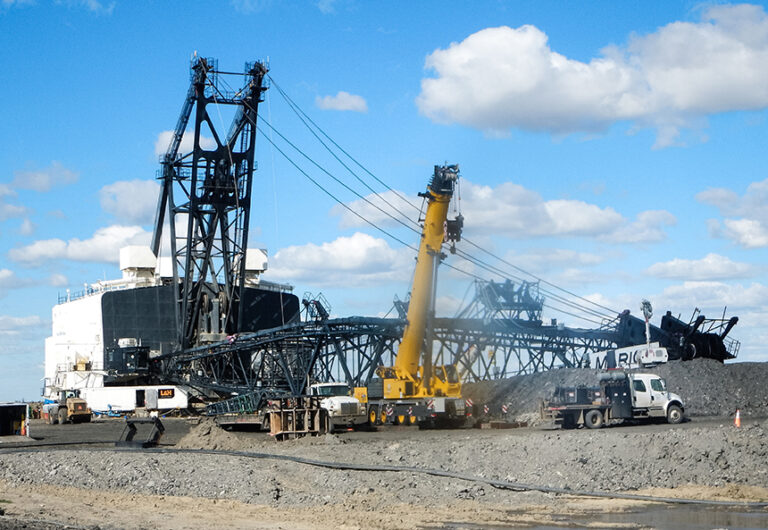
<point>414,390</point>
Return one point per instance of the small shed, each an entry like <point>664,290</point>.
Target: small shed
<point>13,419</point>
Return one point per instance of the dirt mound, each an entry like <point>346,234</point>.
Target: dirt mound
<point>208,435</point>
<point>708,388</point>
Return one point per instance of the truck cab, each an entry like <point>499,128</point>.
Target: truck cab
<point>343,409</point>
<point>650,397</point>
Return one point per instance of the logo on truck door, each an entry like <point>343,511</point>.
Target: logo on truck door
<point>166,393</point>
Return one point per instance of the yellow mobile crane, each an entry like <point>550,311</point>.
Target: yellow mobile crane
<point>413,390</point>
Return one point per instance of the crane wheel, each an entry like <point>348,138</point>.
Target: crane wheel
<point>62,416</point>
<point>372,416</point>
<point>412,420</point>
<point>52,418</point>
<point>593,419</point>
<point>401,419</point>
<point>383,417</point>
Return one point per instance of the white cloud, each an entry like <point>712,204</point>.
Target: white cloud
<point>131,201</point>
<point>250,6</point>
<point>712,295</point>
<point>747,215</point>
<point>6,190</point>
<point>98,7</point>
<point>326,6</point>
<point>187,142</point>
<point>103,247</point>
<point>27,227</point>
<point>14,325</point>
<point>513,211</point>
<point>545,259</point>
<point>9,211</point>
<point>710,267</point>
<point>356,260</point>
<point>44,179</point>
<point>58,280</point>
<point>647,228</point>
<point>371,208</point>
<point>342,101</point>
<point>7,279</point>
<point>502,78</point>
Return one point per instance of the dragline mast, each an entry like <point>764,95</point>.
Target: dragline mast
<point>205,203</point>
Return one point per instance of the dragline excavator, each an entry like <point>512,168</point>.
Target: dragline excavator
<point>413,390</point>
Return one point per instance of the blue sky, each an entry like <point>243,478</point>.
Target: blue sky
<point>615,149</point>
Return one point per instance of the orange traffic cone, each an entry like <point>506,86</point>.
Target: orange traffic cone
<point>737,420</point>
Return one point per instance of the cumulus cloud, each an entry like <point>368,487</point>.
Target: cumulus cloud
<point>712,295</point>
<point>513,211</point>
<point>356,260</point>
<point>9,211</point>
<point>342,101</point>
<point>746,222</point>
<point>647,228</point>
<point>502,78</point>
<point>27,228</point>
<point>545,259</point>
<point>373,208</point>
<point>44,179</point>
<point>326,6</point>
<point>710,267</point>
<point>130,201</point>
<point>14,325</point>
<point>187,142</point>
<point>103,247</point>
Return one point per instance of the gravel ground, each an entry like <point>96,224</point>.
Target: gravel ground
<point>609,460</point>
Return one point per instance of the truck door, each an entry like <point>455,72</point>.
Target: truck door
<point>658,392</point>
<point>641,397</point>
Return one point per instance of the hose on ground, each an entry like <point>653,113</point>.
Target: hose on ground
<point>500,484</point>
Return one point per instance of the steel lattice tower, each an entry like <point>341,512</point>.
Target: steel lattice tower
<point>206,198</point>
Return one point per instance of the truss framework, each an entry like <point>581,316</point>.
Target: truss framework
<point>206,195</point>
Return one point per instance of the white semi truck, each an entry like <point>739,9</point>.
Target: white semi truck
<point>619,396</point>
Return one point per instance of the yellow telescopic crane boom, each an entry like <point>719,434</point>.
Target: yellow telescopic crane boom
<point>413,374</point>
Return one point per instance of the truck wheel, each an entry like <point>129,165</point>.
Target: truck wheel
<point>62,416</point>
<point>674,414</point>
<point>372,416</point>
<point>593,419</point>
<point>52,418</point>
<point>411,420</point>
<point>383,417</point>
<point>400,419</point>
<point>568,422</point>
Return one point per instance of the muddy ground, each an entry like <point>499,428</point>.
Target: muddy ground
<point>97,486</point>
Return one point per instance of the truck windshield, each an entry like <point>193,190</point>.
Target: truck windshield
<point>332,390</point>
<point>659,385</point>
